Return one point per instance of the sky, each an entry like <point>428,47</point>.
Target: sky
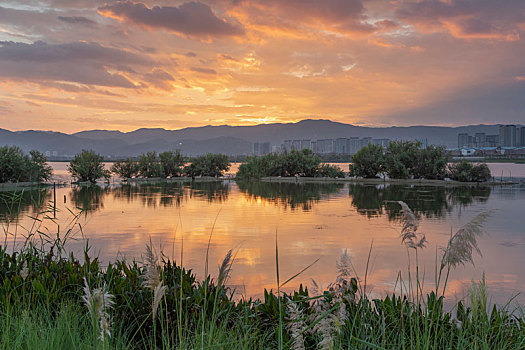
<point>72,65</point>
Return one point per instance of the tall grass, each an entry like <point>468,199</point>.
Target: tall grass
<point>59,302</point>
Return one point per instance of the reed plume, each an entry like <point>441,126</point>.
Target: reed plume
<point>225,269</point>
<point>461,245</point>
<point>344,266</point>
<point>99,302</point>
<point>409,235</point>
<point>296,325</point>
<point>24,272</point>
<point>152,279</point>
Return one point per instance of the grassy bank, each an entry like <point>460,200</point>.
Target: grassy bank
<point>52,299</point>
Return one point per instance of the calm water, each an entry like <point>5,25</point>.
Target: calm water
<point>312,221</point>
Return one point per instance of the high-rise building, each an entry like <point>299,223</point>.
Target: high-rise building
<point>353,145</point>
<point>341,146</point>
<point>520,134</point>
<point>480,139</point>
<point>462,140</point>
<point>306,144</point>
<point>492,140</point>
<point>296,145</point>
<point>507,135</point>
<point>325,146</point>
<point>287,146</point>
<point>261,148</point>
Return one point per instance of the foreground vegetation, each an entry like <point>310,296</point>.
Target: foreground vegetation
<point>51,299</point>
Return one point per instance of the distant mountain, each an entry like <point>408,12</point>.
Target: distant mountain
<point>226,139</point>
<point>306,129</point>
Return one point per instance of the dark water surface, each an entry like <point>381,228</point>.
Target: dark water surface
<point>311,220</point>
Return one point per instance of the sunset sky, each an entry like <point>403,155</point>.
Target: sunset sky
<point>71,65</point>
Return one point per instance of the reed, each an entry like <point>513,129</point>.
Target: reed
<point>47,293</point>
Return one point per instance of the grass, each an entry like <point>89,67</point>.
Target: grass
<point>52,300</point>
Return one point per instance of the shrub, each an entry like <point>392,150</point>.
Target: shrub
<point>16,166</point>
<point>466,172</point>
<point>149,165</point>
<point>431,163</point>
<point>172,163</point>
<point>88,166</point>
<point>480,173</point>
<point>401,158</point>
<point>126,169</point>
<point>293,163</point>
<point>209,165</point>
<point>367,162</point>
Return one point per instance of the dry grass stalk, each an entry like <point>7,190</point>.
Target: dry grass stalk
<point>409,235</point>
<point>99,302</point>
<point>461,245</point>
<point>158,293</point>
<point>152,279</point>
<point>342,294</point>
<point>296,325</point>
<point>326,326</point>
<point>24,272</point>
<point>225,268</point>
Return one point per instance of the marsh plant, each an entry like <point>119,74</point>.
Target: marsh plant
<point>158,304</point>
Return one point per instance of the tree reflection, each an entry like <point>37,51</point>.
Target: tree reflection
<point>212,191</point>
<point>292,195</point>
<point>89,198</point>
<point>430,201</point>
<point>18,202</point>
<point>152,195</point>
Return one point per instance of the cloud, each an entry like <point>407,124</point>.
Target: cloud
<point>467,19</point>
<point>309,18</point>
<point>192,19</point>
<point>159,78</point>
<point>77,20</point>
<point>203,70</point>
<point>81,62</point>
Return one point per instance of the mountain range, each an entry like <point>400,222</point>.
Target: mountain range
<point>231,140</point>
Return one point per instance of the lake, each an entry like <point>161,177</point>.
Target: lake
<point>309,221</point>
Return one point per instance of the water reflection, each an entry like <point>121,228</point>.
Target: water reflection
<point>430,201</point>
<point>89,198</point>
<point>20,202</point>
<point>291,195</point>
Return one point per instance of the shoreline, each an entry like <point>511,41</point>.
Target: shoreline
<point>421,182</point>
<point>298,180</point>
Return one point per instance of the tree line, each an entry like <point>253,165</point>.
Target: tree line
<point>400,160</point>
<point>408,160</point>
<point>87,166</point>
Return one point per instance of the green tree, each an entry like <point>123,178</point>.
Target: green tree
<point>466,172</point>
<point>480,173</point>
<point>172,163</point>
<point>126,169</point>
<point>88,166</point>
<point>460,171</point>
<point>367,162</point>
<point>431,163</point>
<point>293,163</point>
<point>12,164</point>
<point>209,165</point>
<point>401,158</point>
<point>39,169</point>
<point>16,166</point>
<point>149,165</point>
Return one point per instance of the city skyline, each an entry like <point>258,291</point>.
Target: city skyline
<point>122,65</point>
